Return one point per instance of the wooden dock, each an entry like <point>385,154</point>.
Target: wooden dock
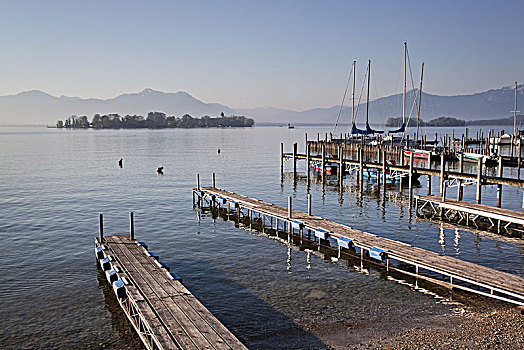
<point>395,255</point>
<point>163,312</point>
<point>447,178</point>
<point>469,213</point>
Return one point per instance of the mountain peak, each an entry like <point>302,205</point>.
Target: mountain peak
<point>147,91</point>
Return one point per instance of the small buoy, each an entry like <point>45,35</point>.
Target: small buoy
<point>160,170</point>
<point>121,162</point>
<point>218,151</point>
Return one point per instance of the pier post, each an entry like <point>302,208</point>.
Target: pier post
<point>101,228</point>
<point>294,161</point>
<point>323,165</point>
<point>518,161</point>
<point>131,226</point>
<point>339,172</point>
<point>289,207</point>
<point>499,186</point>
<point>361,166</point>
<point>442,170</point>
<point>460,188</point>
<point>309,204</point>
<point>410,171</point>
<point>479,180</point>
<point>308,166</point>
<point>384,171</point>
<point>198,181</point>
<point>282,158</point>
<point>429,176</point>
<point>213,180</point>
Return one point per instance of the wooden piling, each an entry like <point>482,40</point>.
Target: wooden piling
<point>289,207</point>
<point>309,204</point>
<point>101,228</point>
<point>132,226</point>
<point>479,180</point>
<point>213,180</point>
<point>282,158</point>
<point>460,188</point>
<point>499,186</point>
<point>442,170</point>
<point>294,160</point>
<point>198,181</point>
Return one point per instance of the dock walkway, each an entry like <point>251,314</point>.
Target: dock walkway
<point>468,213</point>
<point>426,264</point>
<point>162,311</point>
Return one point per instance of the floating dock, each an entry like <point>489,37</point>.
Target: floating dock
<point>395,255</point>
<point>163,312</point>
<point>470,214</point>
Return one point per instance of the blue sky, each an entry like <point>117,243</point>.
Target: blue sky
<point>287,54</point>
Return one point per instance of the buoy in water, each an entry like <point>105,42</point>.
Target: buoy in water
<point>218,151</point>
<point>121,162</point>
<point>160,170</point>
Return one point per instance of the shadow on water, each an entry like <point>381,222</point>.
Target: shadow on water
<point>119,322</point>
<point>278,332</point>
<point>352,260</point>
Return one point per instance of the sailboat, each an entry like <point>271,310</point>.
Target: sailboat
<point>368,130</point>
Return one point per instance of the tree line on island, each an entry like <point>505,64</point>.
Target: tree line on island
<point>450,121</point>
<point>154,120</point>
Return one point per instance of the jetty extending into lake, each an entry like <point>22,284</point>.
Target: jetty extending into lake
<point>394,255</point>
<point>163,312</point>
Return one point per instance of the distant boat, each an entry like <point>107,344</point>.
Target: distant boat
<point>331,168</point>
<point>289,126</point>
<point>419,153</point>
<point>474,158</point>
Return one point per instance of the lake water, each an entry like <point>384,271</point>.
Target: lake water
<point>54,183</point>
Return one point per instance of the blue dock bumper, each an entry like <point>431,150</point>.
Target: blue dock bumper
<point>142,244</point>
<point>99,251</point>
<point>105,263</point>
<point>344,242</point>
<point>111,275</point>
<point>119,286</point>
<point>174,276</point>
<point>222,201</point>
<point>200,193</point>
<point>321,233</point>
<point>297,225</point>
<point>378,253</point>
<point>233,204</point>
<point>153,255</point>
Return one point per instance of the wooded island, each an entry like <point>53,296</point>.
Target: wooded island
<point>154,120</point>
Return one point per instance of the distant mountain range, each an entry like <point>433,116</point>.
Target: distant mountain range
<point>37,107</point>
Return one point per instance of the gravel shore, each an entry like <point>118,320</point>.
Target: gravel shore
<point>500,327</point>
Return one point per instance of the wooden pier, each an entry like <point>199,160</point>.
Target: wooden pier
<point>396,256</point>
<point>404,169</point>
<point>163,312</point>
<point>470,214</point>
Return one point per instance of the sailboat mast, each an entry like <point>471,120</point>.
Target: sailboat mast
<point>515,111</point>
<point>419,99</point>
<point>404,94</point>
<point>353,91</point>
<point>367,102</point>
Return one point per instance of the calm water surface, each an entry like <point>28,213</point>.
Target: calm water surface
<point>54,183</point>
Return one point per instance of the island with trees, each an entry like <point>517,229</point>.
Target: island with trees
<point>154,120</point>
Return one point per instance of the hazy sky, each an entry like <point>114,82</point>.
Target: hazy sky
<point>288,54</point>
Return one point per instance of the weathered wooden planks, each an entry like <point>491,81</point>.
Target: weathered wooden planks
<point>466,271</point>
<point>177,319</point>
